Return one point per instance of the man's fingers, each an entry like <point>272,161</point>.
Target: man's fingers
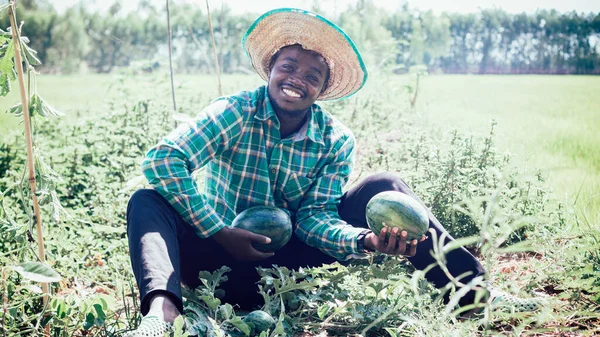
<point>391,244</point>
<point>263,255</point>
<point>412,249</point>
<point>258,238</point>
<point>383,234</point>
<point>401,243</point>
<point>393,241</point>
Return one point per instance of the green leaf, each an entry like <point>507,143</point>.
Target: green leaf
<point>89,321</point>
<point>16,110</point>
<point>37,271</point>
<point>99,311</point>
<point>523,246</point>
<point>46,108</point>
<point>240,324</point>
<point>323,310</point>
<point>205,277</point>
<point>29,53</point>
<point>7,71</point>
<point>460,242</point>
<point>226,310</point>
<point>34,289</point>
<point>279,329</point>
<point>212,302</point>
<point>61,310</point>
<point>38,106</point>
<point>179,327</point>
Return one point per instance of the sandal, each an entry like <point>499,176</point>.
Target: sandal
<point>503,301</point>
<point>151,326</point>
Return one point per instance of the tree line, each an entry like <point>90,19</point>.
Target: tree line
<point>487,42</point>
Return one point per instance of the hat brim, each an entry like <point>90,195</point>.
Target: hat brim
<point>287,26</point>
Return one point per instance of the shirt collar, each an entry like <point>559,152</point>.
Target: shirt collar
<point>311,129</point>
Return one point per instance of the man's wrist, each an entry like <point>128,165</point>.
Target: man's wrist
<point>360,242</point>
<point>221,235</point>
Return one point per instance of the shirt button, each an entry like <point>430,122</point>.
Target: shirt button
<point>273,170</point>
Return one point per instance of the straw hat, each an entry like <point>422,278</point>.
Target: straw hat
<point>287,26</point>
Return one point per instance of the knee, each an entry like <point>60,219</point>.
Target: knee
<point>142,201</point>
<point>387,181</point>
<point>142,197</point>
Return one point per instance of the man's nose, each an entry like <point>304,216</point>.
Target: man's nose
<point>293,79</point>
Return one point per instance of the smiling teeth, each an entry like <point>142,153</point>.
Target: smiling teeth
<point>291,93</point>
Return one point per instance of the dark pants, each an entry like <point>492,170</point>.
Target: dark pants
<point>166,251</point>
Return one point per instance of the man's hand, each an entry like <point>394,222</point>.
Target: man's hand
<point>238,243</point>
<point>395,244</point>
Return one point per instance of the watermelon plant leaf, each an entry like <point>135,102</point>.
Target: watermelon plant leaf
<point>38,105</point>
<point>37,271</point>
<point>33,288</point>
<point>212,302</point>
<point>323,310</point>
<point>28,53</point>
<point>7,71</point>
<point>16,109</point>
<point>523,246</point>
<point>179,327</point>
<point>240,324</point>
<point>89,321</point>
<point>4,37</point>
<point>226,310</point>
<point>279,329</point>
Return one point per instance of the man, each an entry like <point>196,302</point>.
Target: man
<point>270,146</point>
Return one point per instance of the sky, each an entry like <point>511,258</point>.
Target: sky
<point>335,6</point>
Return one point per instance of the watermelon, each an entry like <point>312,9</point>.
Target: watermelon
<point>258,321</point>
<point>269,221</point>
<point>397,209</point>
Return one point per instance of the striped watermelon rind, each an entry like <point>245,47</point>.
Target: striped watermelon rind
<point>397,209</point>
<point>259,321</point>
<point>269,221</point>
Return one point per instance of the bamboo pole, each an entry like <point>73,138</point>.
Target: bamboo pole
<point>170,57</point>
<point>214,46</point>
<point>28,137</point>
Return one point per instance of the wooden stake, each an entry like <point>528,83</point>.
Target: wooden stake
<point>28,137</point>
<point>170,57</point>
<point>214,46</point>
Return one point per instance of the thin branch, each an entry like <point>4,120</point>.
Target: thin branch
<point>170,56</point>
<point>214,46</point>
<point>29,141</point>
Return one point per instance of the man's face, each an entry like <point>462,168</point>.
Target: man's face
<point>296,80</point>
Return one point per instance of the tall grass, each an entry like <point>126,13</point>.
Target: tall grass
<point>97,147</point>
<point>547,122</point>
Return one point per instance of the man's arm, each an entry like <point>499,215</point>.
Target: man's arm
<point>318,221</point>
<point>169,165</point>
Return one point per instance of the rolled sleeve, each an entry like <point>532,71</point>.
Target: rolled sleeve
<point>168,166</point>
<point>318,222</point>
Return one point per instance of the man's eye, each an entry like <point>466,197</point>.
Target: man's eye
<point>286,67</point>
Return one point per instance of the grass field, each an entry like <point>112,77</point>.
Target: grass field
<point>546,122</point>
<point>537,248</point>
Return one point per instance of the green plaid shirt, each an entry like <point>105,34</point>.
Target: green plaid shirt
<point>236,139</point>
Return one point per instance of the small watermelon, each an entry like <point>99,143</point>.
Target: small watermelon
<point>269,221</point>
<point>259,321</point>
<point>397,209</point>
